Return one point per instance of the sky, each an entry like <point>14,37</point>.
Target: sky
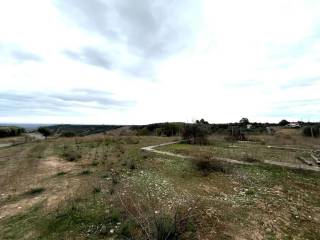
<point>146,61</point>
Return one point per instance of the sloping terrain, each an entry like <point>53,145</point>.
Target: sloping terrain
<point>105,187</point>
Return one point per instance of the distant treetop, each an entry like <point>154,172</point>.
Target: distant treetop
<point>244,121</point>
<point>202,121</point>
<point>283,122</point>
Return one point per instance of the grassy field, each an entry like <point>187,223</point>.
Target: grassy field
<point>105,187</point>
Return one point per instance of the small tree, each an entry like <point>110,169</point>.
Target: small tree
<point>202,121</point>
<point>196,133</point>
<point>44,131</point>
<point>283,122</point>
<point>244,121</point>
<point>311,131</point>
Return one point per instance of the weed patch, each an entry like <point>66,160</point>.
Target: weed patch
<point>71,155</point>
<point>35,191</point>
<point>205,164</point>
<point>85,172</point>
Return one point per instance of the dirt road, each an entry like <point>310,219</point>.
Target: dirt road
<point>269,162</point>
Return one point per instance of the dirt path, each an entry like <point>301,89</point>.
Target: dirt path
<point>33,165</point>
<point>270,162</point>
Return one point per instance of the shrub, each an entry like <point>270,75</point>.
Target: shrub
<point>11,131</point>
<point>85,172</point>
<point>96,190</point>
<point>61,173</point>
<point>170,227</point>
<point>127,228</point>
<point>35,191</point>
<point>115,179</point>
<point>205,164</point>
<point>152,221</point>
<point>311,130</point>
<point>283,123</point>
<point>115,215</point>
<point>44,131</point>
<point>71,155</point>
<point>244,121</point>
<point>196,133</point>
<point>131,164</point>
<point>250,159</point>
<point>165,228</point>
<point>236,134</point>
<point>131,140</point>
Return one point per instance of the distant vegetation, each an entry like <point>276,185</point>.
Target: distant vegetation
<point>311,130</point>
<point>159,129</point>
<point>68,134</point>
<point>11,131</point>
<point>44,131</point>
<point>196,133</point>
<point>80,130</point>
<point>283,123</point>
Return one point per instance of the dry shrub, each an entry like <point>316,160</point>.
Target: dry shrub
<point>205,163</point>
<point>131,140</point>
<point>250,158</point>
<point>148,222</point>
<point>71,155</point>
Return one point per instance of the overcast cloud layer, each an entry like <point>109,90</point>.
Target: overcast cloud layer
<point>143,61</point>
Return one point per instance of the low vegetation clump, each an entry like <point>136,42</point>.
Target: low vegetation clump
<point>45,131</point>
<point>196,133</point>
<point>61,173</point>
<point>149,220</point>
<point>250,159</point>
<point>131,140</point>
<point>311,131</point>
<point>206,164</point>
<point>89,218</point>
<point>236,134</point>
<point>35,191</point>
<point>131,164</point>
<point>71,155</point>
<point>68,134</point>
<point>96,190</point>
<point>86,172</point>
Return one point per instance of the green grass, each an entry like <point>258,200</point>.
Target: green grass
<point>19,226</point>
<point>240,151</point>
<point>226,202</point>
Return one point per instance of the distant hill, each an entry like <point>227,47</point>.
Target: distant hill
<point>27,126</point>
<point>82,130</point>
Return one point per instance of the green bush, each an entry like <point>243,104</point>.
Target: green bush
<point>283,123</point>
<point>127,228</point>
<point>11,131</point>
<point>165,228</point>
<point>206,165</point>
<point>44,131</point>
<point>311,130</point>
<point>196,133</point>
<point>86,172</point>
<point>35,191</point>
<point>71,155</point>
